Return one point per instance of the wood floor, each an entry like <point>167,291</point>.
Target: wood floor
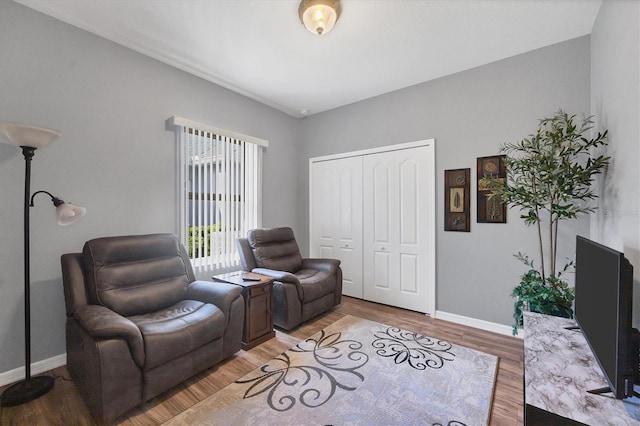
<point>64,406</point>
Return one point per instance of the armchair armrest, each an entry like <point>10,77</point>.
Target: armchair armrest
<point>216,293</point>
<point>102,322</point>
<point>282,276</point>
<point>330,265</point>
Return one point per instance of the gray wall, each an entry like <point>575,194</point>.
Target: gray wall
<point>615,98</point>
<point>114,157</point>
<point>469,114</point>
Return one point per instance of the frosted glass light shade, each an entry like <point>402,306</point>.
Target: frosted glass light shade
<point>319,16</point>
<point>23,135</point>
<point>69,214</point>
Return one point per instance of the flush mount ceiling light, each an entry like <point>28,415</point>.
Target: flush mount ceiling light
<point>319,16</point>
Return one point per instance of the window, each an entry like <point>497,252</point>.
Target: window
<point>219,191</point>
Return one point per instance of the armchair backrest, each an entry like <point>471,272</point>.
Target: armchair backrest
<point>73,282</point>
<point>136,274</point>
<point>275,248</point>
<point>247,261</point>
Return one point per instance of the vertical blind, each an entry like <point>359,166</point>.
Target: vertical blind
<point>219,175</point>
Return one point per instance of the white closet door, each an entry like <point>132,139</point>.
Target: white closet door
<point>336,217</point>
<point>398,236</point>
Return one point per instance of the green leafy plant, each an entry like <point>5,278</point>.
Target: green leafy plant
<point>549,178</point>
<point>553,297</point>
<point>197,236</point>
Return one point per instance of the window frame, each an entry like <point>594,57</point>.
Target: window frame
<point>251,177</point>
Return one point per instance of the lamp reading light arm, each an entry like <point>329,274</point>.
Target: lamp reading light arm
<point>56,201</point>
<point>67,213</point>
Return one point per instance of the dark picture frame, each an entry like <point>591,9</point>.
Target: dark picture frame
<point>457,203</point>
<point>491,172</point>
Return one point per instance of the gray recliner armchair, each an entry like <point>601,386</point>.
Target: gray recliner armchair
<point>302,288</point>
<point>139,323</point>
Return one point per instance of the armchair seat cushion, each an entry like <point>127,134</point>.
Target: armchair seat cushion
<point>179,329</point>
<point>316,283</point>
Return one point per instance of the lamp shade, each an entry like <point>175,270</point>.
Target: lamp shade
<point>23,135</point>
<point>319,16</point>
<point>69,214</point>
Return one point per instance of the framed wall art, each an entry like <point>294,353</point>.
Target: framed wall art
<point>491,173</point>
<point>457,200</point>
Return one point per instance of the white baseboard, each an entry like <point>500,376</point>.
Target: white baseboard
<point>17,374</point>
<point>477,323</point>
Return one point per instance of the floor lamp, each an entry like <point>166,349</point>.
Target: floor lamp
<point>30,138</point>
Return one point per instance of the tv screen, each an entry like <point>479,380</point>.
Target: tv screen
<point>603,310</point>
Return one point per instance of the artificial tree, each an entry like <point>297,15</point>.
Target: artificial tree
<point>549,178</point>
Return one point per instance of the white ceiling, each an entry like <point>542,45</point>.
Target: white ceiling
<point>260,49</point>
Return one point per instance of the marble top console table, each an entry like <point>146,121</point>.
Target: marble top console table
<point>559,369</point>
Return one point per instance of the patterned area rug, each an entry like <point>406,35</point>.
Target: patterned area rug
<point>358,372</point>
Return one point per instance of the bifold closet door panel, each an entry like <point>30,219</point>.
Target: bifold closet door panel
<point>336,217</point>
<point>397,189</point>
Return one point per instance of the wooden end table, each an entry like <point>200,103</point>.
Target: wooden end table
<point>258,321</point>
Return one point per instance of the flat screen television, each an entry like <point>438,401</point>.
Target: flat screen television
<point>603,311</point>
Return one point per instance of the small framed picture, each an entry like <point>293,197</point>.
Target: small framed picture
<point>491,172</point>
<point>457,200</point>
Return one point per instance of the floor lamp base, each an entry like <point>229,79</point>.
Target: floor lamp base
<point>27,390</point>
